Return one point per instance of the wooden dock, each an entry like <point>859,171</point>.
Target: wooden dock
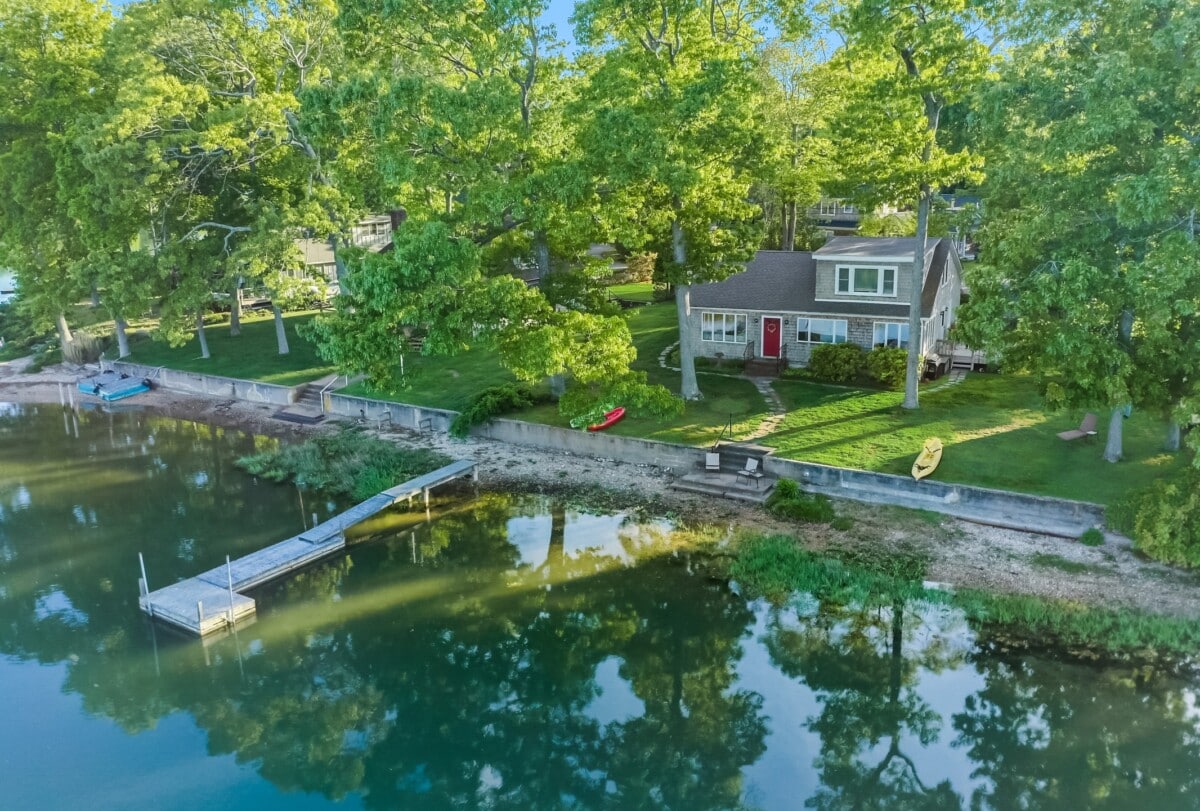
<point>212,601</point>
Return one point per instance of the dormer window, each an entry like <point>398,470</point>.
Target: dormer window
<point>859,280</point>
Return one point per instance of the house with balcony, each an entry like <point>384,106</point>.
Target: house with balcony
<point>853,289</point>
<point>374,233</point>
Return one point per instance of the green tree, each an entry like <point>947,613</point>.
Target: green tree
<point>50,54</point>
<point>903,64</point>
<point>1091,276</point>
<point>671,129</point>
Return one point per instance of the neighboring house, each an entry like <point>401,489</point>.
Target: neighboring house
<point>854,289</point>
<point>8,286</point>
<point>373,233</point>
<point>838,217</point>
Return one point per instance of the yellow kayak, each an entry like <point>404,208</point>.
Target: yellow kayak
<point>927,462</point>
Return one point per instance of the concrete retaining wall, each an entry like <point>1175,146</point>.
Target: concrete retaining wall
<point>209,385</point>
<point>1001,508</point>
<point>403,416</point>
<point>997,507</point>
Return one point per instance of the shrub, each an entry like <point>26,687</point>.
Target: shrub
<point>85,348</point>
<point>888,365</point>
<point>1092,537</point>
<point>1166,520</point>
<point>489,404</point>
<point>347,463</point>
<point>787,501</point>
<point>842,523</point>
<point>836,363</point>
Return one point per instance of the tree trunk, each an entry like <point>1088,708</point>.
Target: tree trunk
<point>912,374</point>
<point>541,253</point>
<point>235,310</point>
<point>339,264</point>
<point>1173,436</point>
<point>789,238</point>
<point>200,334</point>
<point>689,389</point>
<point>1113,445</point>
<point>64,329</point>
<point>280,333</point>
<point>122,339</point>
<point>95,296</point>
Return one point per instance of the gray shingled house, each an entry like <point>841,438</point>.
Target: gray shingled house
<point>853,289</point>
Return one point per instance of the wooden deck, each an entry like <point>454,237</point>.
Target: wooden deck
<point>212,600</point>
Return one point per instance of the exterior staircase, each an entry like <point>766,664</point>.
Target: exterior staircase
<point>308,408</point>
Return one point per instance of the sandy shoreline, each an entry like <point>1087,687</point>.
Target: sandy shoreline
<point>962,553</point>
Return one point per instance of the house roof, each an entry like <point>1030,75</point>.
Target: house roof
<point>785,281</point>
<point>896,248</point>
<point>315,251</point>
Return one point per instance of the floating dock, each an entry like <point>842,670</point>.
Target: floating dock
<point>213,601</point>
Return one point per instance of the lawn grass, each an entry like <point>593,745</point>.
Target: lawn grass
<point>253,355</point>
<point>995,430</point>
<point>635,291</point>
<point>701,423</point>
<point>441,381</point>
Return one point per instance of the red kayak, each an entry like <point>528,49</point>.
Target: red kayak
<point>610,418</point>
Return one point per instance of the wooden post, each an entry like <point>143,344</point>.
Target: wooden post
<point>229,575</point>
<point>412,539</point>
<point>145,585</point>
<point>200,617</point>
<point>62,398</point>
<point>426,499</point>
<point>475,474</point>
<point>314,519</point>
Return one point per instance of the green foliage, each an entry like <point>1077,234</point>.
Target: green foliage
<point>489,404</point>
<point>842,523</point>
<point>777,566</point>
<point>787,501</point>
<point>348,462</point>
<point>631,391</point>
<point>1166,520</point>
<point>836,363</point>
<point>888,366</point>
<point>1092,537</point>
<point>18,330</point>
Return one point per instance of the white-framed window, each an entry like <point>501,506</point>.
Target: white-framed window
<point>858,280</point>
<point>890,334</point>
<point>727,328</point>
<point>820,331</point>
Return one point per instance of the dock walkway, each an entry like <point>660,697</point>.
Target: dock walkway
<point>211,601</point>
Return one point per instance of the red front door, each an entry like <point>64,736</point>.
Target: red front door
<point>772,330</point>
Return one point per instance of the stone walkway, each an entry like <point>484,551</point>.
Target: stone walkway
<point>775,406</point>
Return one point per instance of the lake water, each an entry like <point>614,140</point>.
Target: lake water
<point>515,653</point>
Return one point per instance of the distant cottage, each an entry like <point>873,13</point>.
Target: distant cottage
<point>854,289</point>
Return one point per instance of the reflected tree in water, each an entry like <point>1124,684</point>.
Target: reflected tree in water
<point>1054,734</point>
<point>864,662</point>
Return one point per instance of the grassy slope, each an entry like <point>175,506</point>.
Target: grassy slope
<point>253,355</point>
<point>442,382</point>
<point>995,431</point>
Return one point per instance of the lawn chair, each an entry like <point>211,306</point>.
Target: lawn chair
<point>1086,428</point>
<point>751,471</point>
<point>712,463</point>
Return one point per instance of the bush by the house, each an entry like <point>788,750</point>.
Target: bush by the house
<point>888,365</point>
<point>1164,519</point>
<point>836,363</point>
<point>489,404</point>
<point>788,501</point>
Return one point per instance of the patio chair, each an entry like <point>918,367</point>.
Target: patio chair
<point>1086,428</point>
<point>751,471</point>
<point>712,463</point>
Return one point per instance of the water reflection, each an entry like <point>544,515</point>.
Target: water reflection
<point>516,653</point>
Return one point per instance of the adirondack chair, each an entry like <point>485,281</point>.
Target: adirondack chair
<point>751,471</point>
<point>1086,428</point>
<point>712,463</point>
